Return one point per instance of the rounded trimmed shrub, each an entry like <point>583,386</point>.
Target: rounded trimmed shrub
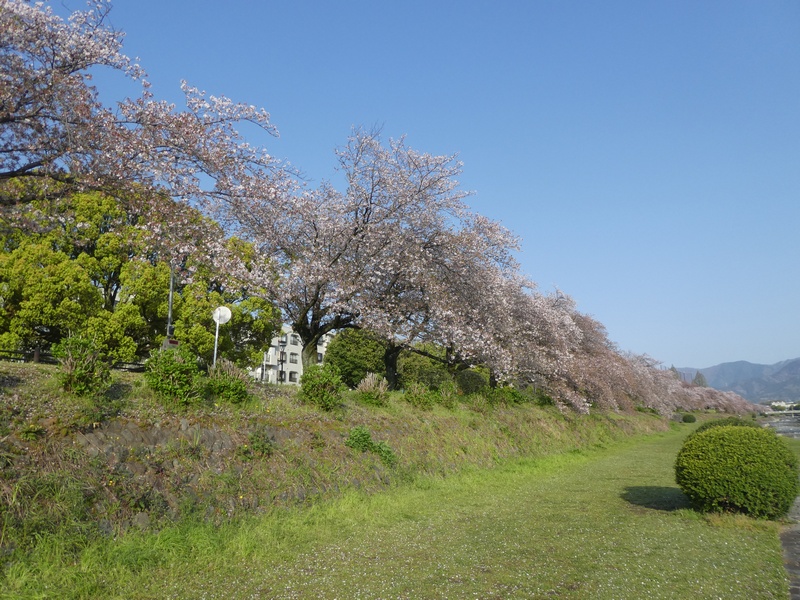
<point>738,469</point>
<point>725,422</point>
<point>687,418</point>
<point>470,381</point>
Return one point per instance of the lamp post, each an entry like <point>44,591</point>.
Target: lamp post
<point>281,357</point>
<point>221,315</point>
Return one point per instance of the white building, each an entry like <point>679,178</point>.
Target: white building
<point>283,362</point>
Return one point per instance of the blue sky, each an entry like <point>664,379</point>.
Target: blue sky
<point>647,153</point>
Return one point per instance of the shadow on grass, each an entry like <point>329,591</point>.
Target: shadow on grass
<point>118,391</point>
<point>9,381</point>
<point>656,497</point>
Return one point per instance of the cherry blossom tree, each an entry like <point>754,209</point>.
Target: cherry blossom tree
<point>354,258</point>
<point>57,137</point>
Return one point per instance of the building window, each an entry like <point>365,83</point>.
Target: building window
<point>293,376</point>
<point>319,357</point>
<point>282,376</point>
<point>295,339</point>
<point>293,358</point>
<point>283,357</point>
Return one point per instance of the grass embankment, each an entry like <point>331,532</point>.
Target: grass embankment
<point>598,524</point>
<point>606,521</point>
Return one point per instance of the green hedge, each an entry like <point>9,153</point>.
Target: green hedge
<point>738,469</point>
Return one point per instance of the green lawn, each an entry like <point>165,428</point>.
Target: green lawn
<point>606,524</point>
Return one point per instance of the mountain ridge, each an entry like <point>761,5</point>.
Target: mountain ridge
<point>755,382</point>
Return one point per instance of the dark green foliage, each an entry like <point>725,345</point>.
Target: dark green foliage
<point>738,469</point>
<point>700,380</point>
<point>687,418</point>
<point>470,381</point>
<point>361,439</point>
<point>321,386</point>
<point>83,369</point>
<point>174,376</point>
<point>355,353</point>
<point>419,368</point>
<point>542,398</point>
<point>228,383</point>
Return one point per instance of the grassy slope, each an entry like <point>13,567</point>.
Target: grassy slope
<point>566,526</point>
<point>605,523</point>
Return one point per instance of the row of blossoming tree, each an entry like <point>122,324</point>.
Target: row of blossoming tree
<point>398,251</point>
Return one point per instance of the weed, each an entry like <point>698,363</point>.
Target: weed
<point>228,383</point>
<point>83,369</point>
<point>361,439</point>
<point>317,441</point>
<point>31,432</point>
<point>262,443</point>
<point>385,453</point>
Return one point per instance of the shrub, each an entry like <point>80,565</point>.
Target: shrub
<point>321,385</point>
<point>471,382</point>
<point>725,422</point>
<point>738,469</point>
<point>361,439</point>
<point>373,389</point>
<point>83,370</point>
<point>447,394</point>
<point>174,376</point>
<point>687,418</point>
<point>228,383</point>
<point>419,396</point>
<point>506,395</point>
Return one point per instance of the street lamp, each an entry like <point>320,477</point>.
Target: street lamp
<point>281,357</point>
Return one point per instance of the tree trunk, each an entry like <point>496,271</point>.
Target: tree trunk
<point>309,354</point>
<point>390,362</point>
<point>492,379</point>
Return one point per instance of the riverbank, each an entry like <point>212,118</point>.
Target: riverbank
<point>597,524</point>
<point>786,425</point>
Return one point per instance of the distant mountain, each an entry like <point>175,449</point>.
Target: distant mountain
<point>756,383</point>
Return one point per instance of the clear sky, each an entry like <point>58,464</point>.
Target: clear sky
<point>647,153</point>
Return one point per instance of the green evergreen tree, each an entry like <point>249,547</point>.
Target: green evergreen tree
<point>354,353</point>
<point>700,380</point>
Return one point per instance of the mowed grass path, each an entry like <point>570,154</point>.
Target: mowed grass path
<point>605,524</point>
